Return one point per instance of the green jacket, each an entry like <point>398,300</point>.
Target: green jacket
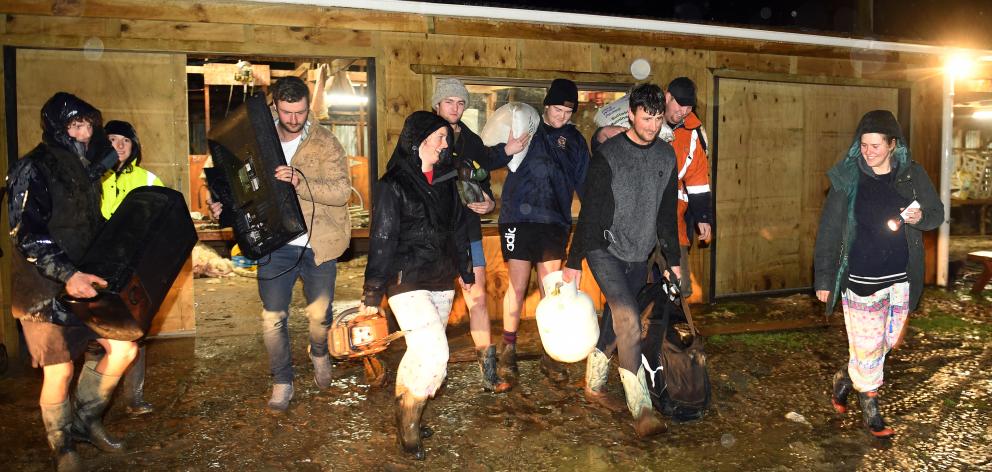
<point>837,224</point>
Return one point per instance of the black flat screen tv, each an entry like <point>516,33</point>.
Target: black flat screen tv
<point>263,211</point>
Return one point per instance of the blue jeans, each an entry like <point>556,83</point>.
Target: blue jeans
<point>318,287</point>
<point>621,324</point>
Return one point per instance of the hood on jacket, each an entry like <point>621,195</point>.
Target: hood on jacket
<point>417,127</point>
<point>406,164</point>
<point>844,175</point>
<point>123,128</point>
<point>62,109</point>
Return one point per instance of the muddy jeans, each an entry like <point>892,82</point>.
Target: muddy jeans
<point>422,315</point>
<point>276,294</point>
<point>873,324</point>
<point>621,325</point>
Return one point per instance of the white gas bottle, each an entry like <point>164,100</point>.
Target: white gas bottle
<point>522,117</point>
<point>566,320</point>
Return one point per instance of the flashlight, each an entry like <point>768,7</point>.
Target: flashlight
<point>894,223</point>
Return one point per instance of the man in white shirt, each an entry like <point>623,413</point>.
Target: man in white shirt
<point>318,168</point>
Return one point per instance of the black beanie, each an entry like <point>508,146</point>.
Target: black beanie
<point>563,92</point>
<point>879,121</point>
<point>121,128</point>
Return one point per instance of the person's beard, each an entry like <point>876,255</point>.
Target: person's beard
<point>288,129</point>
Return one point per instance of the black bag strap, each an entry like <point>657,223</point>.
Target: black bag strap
<point>659,258</point>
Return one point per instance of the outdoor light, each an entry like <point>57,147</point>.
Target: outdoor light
<point>341,92</point>
<point>959,66</point>
<point>982,115</point>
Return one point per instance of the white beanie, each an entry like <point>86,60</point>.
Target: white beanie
<point>445,88</point>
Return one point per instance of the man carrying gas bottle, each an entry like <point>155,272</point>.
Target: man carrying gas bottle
<point>630,205</point>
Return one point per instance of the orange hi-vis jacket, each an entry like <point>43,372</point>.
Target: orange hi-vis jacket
<point>690,144</point>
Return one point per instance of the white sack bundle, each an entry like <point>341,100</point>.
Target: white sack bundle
<point>521,117</point>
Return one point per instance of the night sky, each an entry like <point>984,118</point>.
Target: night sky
<point>964,23</point>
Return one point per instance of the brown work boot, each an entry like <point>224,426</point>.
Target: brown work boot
<point>555,371</point>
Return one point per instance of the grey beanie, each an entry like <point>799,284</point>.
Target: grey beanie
<point>445,88</point>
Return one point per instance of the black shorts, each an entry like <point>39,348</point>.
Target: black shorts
<point>51,344</point>
<point>533,242</point>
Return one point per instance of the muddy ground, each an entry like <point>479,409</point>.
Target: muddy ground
<point>210,393</point>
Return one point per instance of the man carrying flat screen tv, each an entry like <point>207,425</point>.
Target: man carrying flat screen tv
<point>317,167</point>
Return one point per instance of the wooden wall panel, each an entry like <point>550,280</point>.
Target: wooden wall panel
<point>145,29</point>
<point>177,315</point>
<point>322,37</point>
<point>772,163</point>
<point>752,62</point>
<point>61,26</point>
<point>556,55</point>
<point>757,246</point>
<point>927,104</point>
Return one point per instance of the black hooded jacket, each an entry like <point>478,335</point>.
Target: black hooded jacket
<point>53,209</point>
<point>418,238</point>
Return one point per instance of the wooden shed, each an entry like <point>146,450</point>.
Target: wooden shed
<point>779,111</point>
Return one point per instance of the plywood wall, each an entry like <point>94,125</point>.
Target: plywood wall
<point>775,143</point>
<point>148,90</point>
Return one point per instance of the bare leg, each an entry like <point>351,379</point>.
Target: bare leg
<point>513,302</point>
<point>55,387</point>
<point>478,313</point>
<point>543,269</point>
<point>119,356</point>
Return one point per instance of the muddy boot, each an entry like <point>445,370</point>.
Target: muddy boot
<point>508,362</point>
<point>322,370</point>
<point>281,395</point>
<point>597,371</point>
<point>134,387</point>
<point>873,417</point>
<point>555,371</point>
<point>408,430</point>
<point>92,397</point>
<point>647,421</point>
<point>842,390</point>
<point>58,420</point>
<point>491,380</point>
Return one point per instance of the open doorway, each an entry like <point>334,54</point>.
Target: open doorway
<point>342,90</point>
<point>971,182</point>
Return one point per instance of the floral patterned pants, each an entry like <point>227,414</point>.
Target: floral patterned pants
<point>873,326</point>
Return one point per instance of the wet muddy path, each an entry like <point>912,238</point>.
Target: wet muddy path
<point>210,393</point>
